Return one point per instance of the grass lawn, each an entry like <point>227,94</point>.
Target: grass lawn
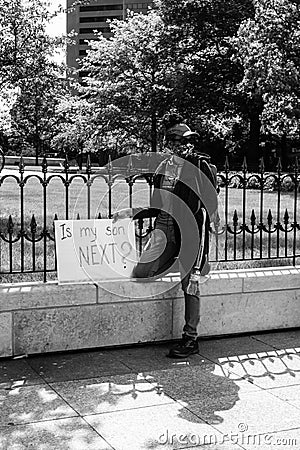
<point>78,200</point>
<point>80,204</point>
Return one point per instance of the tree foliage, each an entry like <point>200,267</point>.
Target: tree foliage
<point>23,39</point>
<point>201,33</point>
<point>27,71</point>
<point>268,50</point>
<point>200,36</point>
<point>34,114</point>
<point>133,77</point>
<point>242,67</point>
<point>231,68</point>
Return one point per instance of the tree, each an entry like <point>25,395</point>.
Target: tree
<point>34,114</point>
<point>267,48</point>
<point>27,69</point>
<point>75,132</point>
<point>200,33</point>
<point>133,78</point>
<point>23,38</point>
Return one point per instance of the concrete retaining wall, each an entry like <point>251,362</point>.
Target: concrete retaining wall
<point>39,318</point>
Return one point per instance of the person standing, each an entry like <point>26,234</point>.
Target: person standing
<point>183,201</point>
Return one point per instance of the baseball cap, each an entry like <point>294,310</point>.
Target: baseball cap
<point>190,133</point>
<point>180,130</point>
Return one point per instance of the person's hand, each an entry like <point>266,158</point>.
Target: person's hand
<point>122,214</point>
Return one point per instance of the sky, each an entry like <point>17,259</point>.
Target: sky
<point>58,25</point>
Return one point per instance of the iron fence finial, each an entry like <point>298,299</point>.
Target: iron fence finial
<point>33,225</point>
<point>109,165</point>
<point>252,218</point>
<point>129,165</point>
<point>235,218</point>
<point>21,165</point>
<point>279,165</point>
<point>2,159</point>
<point>286,217</point>
<point>66,163</point>
<point>261,165</point>
<point>88,164</point>
<point>44,164</point>
<point>53,225</point>
<point>269,218</point>
<point>10,225</point>
<point>226,165</point>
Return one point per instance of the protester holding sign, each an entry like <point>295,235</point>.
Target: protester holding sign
<point>184,200</point>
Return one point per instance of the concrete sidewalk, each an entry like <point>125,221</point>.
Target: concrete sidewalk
<point>239,392</point>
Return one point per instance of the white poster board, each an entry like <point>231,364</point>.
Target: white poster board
<point>94,249</point>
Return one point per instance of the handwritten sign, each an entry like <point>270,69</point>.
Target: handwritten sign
<point>94,249</point>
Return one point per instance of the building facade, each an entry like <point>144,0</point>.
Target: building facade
<point>93,15</point>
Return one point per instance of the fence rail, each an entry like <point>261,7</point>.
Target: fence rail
<point>257,217</point>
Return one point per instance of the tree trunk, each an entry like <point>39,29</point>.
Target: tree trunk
<point>284,152</point>
<point>253,151</point>
<point>37,150</point>
<point>80,156</point>
<point>153,131</point>
<point>255,109</point>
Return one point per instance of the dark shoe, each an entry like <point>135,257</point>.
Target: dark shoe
<point>186,347</point>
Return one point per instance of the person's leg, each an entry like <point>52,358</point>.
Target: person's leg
<point>157,256</point>
<point>188,344</point>
<point>192,310</point>
<point>192,315</point>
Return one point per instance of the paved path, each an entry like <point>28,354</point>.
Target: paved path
<point>238,393</point>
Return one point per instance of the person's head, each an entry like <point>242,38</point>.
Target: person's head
<point>180,132</point>
<point>175,127</point>
<point>178,136</point>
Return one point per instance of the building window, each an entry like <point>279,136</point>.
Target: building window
<point>82,52</point>
<point>87,40</point>
<point>98,19</point>
<point>84,41</point>
<point>118,7</point>
<point>84,73</point>
<point>92,29</point>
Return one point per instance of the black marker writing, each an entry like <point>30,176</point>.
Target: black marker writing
<point>66,231</point>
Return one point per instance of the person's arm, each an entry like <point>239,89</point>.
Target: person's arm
<point>145,213</point>
<point>140,212</point>
<point>208,187</point>
<point>135,213</point>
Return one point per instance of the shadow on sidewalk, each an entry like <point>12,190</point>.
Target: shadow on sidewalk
<point>137,396</point>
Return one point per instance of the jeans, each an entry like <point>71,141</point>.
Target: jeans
<point>157,257</point>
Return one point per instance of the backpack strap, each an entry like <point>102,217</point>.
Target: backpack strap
<point>209,170</point>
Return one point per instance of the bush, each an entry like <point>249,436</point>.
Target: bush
<point>253,183</point>
<point>287,185</point>
<point>235,182</point>
<point>270,184</point>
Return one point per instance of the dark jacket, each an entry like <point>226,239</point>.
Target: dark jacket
<point>196,187</point>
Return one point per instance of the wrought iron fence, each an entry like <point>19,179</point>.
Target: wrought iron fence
<point>268,228</point>
<point>257,217</point>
